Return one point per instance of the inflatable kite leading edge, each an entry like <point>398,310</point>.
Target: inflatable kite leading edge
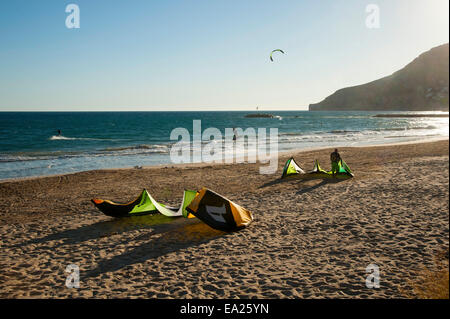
<point>143,205</point>
<point>276,50</point>
<point>292,169</point>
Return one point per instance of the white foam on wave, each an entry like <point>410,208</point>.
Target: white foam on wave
<point>65,138</point>
<point>60,137</point>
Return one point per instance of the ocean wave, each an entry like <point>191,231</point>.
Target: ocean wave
<point>21,158</point>
<point>343,131</point>
<point>410,136</point>
<point>405,128</point>
<point>65,138</point>
<point>355,135</point>
<point>137,147</point>
<point>429,127</point>
<point>119,151</point>
<point>60,137</point>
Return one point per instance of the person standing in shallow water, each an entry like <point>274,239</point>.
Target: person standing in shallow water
<point>335,159</point>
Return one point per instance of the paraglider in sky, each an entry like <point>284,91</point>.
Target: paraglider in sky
<point>271,59</point>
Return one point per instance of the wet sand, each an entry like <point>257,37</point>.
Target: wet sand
<point>309,239</point>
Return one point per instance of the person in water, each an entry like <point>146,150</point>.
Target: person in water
<point>59,132</point>
<point>234,134</point>
<point>335,159</point>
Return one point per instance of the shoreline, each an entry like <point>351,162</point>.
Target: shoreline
<point>202,164</point>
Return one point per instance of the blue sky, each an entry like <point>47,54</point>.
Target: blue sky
<point>204,55</point>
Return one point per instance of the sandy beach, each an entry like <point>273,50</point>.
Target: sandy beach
<point>309,239</point>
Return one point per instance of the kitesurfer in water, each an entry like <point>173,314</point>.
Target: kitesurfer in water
<point>335,159</point>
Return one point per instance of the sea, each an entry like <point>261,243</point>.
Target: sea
<point>31,146</point>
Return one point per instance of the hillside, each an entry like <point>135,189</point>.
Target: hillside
<point>422,85</point>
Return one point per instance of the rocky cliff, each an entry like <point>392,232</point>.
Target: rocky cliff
<point>421,85</point>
